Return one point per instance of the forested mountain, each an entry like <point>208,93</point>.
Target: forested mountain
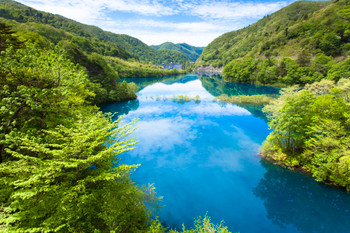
<point>301,43</point>
<point>190,51</point>
<point>266,35</point>
<point>105,56</point>
<point>114,44</point>
<point>59,164</point>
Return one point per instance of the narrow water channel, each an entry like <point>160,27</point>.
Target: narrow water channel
<point>201,156</point>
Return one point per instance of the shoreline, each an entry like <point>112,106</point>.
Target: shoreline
<point>299,169</point>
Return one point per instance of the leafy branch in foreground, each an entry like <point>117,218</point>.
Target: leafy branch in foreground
<point>59,168</point>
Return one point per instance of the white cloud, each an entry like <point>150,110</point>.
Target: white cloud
<point>193,22</point>
<point>87,11</point>
<point>92,11</point>
<point>162,135</point>
<point>234,10</point>
<point>144,7</point>
<point>214,109</point>
<point>190,89</point>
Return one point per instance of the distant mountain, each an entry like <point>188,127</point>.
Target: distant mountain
<point>191,52</point>
<point>123,46</point>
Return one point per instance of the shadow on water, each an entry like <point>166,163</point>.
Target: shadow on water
<point>121,108</point>
<point>293,199</point>
<point>216,86</point>
<point>202,159</point>
<point>168,80</point>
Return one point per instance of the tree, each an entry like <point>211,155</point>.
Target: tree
<point>7,39</point>
<point>59,155</point>
<point>290,125</point>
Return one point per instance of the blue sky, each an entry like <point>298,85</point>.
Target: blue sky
<point>157,21</point>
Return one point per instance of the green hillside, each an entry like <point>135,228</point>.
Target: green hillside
<point>252,40</point>
<point>301,43</point>
<point>116,45</point>
<point>191,52</point>
<point>105,56</point>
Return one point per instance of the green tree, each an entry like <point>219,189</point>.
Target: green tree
<point>7,39</point>
<point>59,168</point>
<point>339,70</point>
<point>291,124</point>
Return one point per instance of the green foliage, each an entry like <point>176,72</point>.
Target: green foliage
<point>280,48</point>
<point>181,99</point>
<point>204,225</point>
<point>286,32</point>
<point>311,129</point>
<point>132,69</point>
<point>7,38</point>
<point>247,99</point>
<point>88,46</point>
<point>59,163</point>
<point>191,52</point>
<point>88,38</point>
<point>288,71</point>
<point>240,70</point>
<point>339,70</point>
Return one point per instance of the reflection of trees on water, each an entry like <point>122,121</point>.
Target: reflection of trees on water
<point>121,108</point>
<point>216,86</point>
<point>168,80</point>
<point>255,110</point>
<point>293,198</point>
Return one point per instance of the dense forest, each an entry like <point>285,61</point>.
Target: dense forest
<point>301,43</point>
<point>191,52</point>
<point>59,163</point>
<point>59,155</point>
<point>311,130</point>
<point>105,56</point>
<point>89,38</point>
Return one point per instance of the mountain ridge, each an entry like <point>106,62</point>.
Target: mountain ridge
<point>302,43</point>
<point>21,13</point>
<point>192,52</point>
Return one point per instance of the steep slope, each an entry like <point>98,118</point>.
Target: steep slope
<point>278,34</point>
<point>96,51</point>
<point>302,43</point>
<point>120,45</point>
<point>190,51</point>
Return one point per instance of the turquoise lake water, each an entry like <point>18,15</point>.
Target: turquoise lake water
<point>202,158</point>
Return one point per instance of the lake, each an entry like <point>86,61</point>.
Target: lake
<point>202,158</point>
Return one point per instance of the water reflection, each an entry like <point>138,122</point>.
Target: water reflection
<point>294,199</point>
<point>144,82</point>
<point>202,158</point>
<point>190,88</point>
<point>216,86</point>
<point>121,108</point>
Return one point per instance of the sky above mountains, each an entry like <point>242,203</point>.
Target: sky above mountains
<point>157,21</point>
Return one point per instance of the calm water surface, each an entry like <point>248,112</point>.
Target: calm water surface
<point>202,158</point>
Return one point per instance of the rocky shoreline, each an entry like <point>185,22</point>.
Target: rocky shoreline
<point>209,69</point>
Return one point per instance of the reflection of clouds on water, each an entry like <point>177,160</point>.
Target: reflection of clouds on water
<point>145,110</point>
<point>190,89</point>
<point>162,135</point>
<point>230,159</point>
<point>226,158</point>
<point>214,109</point>
<point>243,140</point>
